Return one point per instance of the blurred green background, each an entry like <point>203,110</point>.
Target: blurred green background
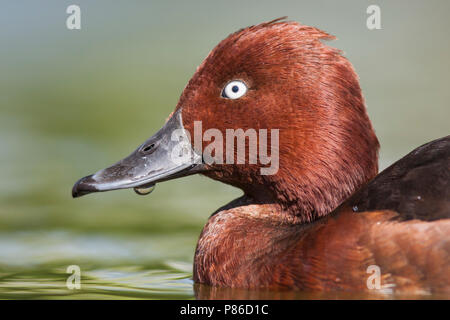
<point>75,101</point>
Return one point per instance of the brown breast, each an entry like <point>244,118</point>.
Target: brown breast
<point>237,249</point>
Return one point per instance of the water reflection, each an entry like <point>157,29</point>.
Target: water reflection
<point>204,292</point>
<point>96,284</point>
<point>33,265</point>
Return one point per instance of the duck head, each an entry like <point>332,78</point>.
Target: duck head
<point>276,78</point>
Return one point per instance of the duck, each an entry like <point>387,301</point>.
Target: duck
<point>324,219</point>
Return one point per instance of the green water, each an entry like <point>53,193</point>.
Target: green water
<point>73,102</point>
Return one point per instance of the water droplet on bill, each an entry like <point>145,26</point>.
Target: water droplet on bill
<point>143,191</point>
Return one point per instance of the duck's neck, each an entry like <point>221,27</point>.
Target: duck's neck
<point>303,196</point>
<point>317,172</point>
<point>299,194</point>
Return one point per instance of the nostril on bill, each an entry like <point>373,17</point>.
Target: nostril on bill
<point>148,149</point>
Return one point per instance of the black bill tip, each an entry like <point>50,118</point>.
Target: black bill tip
<point>84,186</point>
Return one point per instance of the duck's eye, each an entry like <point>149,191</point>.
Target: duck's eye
<point>234,90</point>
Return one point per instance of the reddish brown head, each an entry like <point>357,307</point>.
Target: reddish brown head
<point>294,83</point>
<point>304,88</point>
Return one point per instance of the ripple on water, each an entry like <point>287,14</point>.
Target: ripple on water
<point>33,265</point>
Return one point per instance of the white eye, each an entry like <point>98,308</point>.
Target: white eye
<point>234,90</point>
